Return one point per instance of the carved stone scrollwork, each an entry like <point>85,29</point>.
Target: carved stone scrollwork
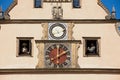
<point>45,31</point>
<point>70,31</point>
<point>75,47</point>
<point>40,56</point>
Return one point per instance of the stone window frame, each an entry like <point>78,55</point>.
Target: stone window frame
<point>17,46</point>
<point>98,46</point>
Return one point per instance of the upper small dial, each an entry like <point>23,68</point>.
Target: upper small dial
<point>57,31</point>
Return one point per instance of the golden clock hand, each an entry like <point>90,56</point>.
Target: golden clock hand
<point>64,52</point>
<point>57,53</point>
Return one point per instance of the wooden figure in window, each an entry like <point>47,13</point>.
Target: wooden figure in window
<point>91,48</point>
<point>25,49</point>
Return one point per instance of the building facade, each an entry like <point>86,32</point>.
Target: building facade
<point>60,34</point>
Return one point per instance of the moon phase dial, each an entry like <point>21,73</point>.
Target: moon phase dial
<point>57,31</point>
<point>57,56</point>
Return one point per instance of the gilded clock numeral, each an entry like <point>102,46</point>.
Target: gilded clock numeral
<point>50,63</point>
<point>47,53</point>
<point>54,46</point>
<point>50,49</point>
<point>60,65</point>
<point>47,58</point>
<point>61,46</point>
<point>65,63</point>
<point>68,58</point>
<point>65,48</point>
<point>55,65</point>
<point>68,53</point>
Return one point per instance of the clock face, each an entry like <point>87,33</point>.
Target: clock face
<point>57,56</point>
<point>57,31</point>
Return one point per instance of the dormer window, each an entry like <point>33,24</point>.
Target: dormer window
<point>38,3</point>
<point>76,3</point>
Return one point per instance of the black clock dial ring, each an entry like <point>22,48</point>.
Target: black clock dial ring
<point>56,25</point>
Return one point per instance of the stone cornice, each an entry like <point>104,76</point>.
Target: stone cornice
<point>39,21</point>
<point>61,71</point>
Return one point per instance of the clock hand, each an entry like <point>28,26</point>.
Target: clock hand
<point>57,53</point>
<point>62,30</point>
<point>56,32</point>
<point>59,31</point>
<point>64,52</point>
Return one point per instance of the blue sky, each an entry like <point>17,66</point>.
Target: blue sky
<point>5,4</point>
<point>108,3</point>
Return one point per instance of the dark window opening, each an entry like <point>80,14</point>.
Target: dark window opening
<point>91,47</point>
<point>38,3</point>
<point>76,3</point>
<point>25,47</point>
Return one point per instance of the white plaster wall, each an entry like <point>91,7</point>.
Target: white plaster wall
<point>8,48</point>
<point>109,45</point>
<point>109,51</point>
<point>89,10</point>
<point>60,76</point>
